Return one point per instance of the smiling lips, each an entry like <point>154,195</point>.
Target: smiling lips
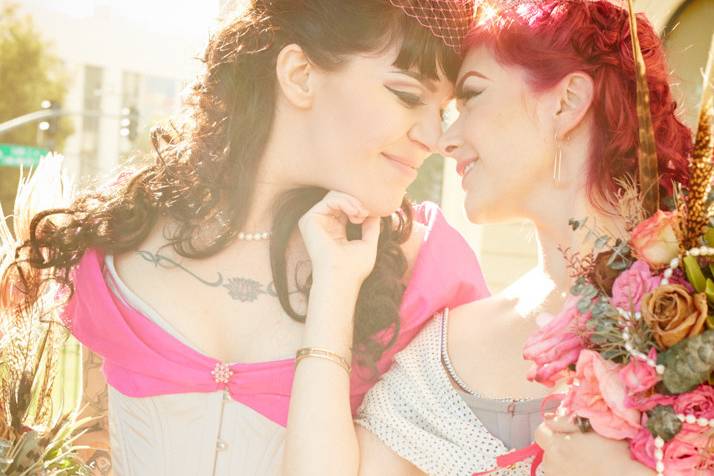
<point>465,167</point>
<point>402,163</point>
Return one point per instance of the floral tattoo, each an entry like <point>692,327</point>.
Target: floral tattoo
<point>239,288</point>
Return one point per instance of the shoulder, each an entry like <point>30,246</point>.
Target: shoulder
<point>494,304</point>
<point>440,258</point>
<point>430,233</point>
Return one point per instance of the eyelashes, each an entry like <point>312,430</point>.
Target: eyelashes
<point>464,95</point>
<point>409,100</point>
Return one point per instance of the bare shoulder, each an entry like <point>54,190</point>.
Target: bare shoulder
<point>475,312</point>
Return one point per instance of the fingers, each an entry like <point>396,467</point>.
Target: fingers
<point>370,229</point>
<point>340,205</point>
<point>544,436</point>
<point>561,424</point>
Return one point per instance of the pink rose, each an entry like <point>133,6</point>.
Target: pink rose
<point>642,448</point>
<point>632,284</point>
<point>638,376</point>
<point>645,404</point>
<point>599,395</point>
<point>654,240</point>
<point>687,454</point>
<point>556,344</point>
<point>699,402</point>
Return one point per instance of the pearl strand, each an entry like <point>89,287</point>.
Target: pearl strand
<point>264,235</point>
<point>628,343</point>
<point>659,455</point>
<point>674,264</point>
<point>691,419</point>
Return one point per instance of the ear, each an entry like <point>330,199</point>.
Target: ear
<point>575,96</point>
<point>295,76</point>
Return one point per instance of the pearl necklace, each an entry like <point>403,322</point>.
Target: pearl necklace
<point>258,236</point>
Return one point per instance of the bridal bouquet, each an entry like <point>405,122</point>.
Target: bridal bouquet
<point>635,339</point>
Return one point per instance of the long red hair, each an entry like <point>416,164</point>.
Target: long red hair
<point>555,38</point>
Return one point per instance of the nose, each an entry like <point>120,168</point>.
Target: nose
<point>450,141</point>
<point>427,131</point>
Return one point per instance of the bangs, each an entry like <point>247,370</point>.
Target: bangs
<point>424,52</point>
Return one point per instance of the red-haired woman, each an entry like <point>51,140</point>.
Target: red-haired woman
<point>547,129</point>
<point>189,278</point>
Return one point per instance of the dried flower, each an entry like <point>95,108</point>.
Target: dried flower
<point>602,274</point>
<point>674,314</point>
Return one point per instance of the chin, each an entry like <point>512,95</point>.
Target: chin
<point>384,206</point>
<point>481,212</point>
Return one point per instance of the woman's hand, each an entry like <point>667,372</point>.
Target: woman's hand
<point>570,452</point>
<point>323,229</point>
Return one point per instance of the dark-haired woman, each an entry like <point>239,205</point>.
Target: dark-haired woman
<point>547,131</point>
<point>190,279</point>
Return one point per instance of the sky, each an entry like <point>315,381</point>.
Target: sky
<point>193,17</point>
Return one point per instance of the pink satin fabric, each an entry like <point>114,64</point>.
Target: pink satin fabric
<point>142,360</point>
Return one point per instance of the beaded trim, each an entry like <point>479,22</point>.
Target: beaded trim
<point>446,361</point>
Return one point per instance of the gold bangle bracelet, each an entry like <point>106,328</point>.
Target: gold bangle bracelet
<point>322,354</point>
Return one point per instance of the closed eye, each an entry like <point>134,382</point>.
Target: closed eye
<point>463,95</point>
<point>410,100</point>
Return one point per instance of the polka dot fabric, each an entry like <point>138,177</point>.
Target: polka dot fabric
<point>417,413</point>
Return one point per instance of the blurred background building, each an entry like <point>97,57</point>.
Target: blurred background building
<point>128,62</point>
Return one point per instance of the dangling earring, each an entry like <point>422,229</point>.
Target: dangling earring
<point>558,163</point>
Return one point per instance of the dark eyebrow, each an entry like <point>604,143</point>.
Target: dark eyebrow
<point>429,83</point>
<point>460,83</point>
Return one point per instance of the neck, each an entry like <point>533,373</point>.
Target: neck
<point>550,209</point>
<point>279,171</point>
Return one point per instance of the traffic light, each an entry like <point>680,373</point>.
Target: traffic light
<point>49,125</point>
<point>48,128</point>
<point>129,123</point>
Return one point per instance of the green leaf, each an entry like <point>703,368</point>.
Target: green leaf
<point>709,236</point>
<point>601,242</point>
<point>663,422</point>
<point>576,224</point>
<point>688,363</point>
<point>694,273</point>
<point>584,305</point>
<point>709,290</point>
<point>589,291</point>
<point>619,265</point>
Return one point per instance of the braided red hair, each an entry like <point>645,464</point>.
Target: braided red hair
<point>551,39</point>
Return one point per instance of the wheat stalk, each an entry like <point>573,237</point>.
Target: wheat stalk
<point>701,167</point>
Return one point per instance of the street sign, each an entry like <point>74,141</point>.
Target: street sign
<point>12,155</point>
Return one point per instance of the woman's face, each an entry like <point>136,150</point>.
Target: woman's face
<point>503,139</point>
<point>371,127</point>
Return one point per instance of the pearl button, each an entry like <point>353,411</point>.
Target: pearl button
<point>221,445</point>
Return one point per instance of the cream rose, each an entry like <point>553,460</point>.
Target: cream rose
<point>654,240</point>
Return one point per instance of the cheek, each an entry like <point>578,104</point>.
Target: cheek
<point>354,129</point>
<point>359,123</point>
<point>509,167</point>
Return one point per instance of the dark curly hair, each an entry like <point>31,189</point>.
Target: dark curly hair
<point>209,157</point>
